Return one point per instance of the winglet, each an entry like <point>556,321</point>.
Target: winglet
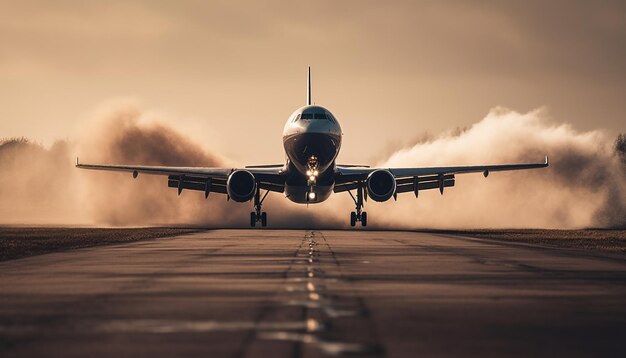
<point>547,163</point>
<point>308,87</point>
<point>77,161</point>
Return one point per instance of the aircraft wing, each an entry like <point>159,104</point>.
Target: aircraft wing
<point>415,179</point>
<point>207,179</point>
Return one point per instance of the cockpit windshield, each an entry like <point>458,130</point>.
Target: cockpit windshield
<point>314,116</point>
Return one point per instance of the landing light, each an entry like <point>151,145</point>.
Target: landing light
<point>309,173</point>
<point>312,178</point>
<point>315,172</point>
<point>312,196</point>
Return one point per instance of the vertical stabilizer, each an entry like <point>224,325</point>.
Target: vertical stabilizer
<point>308,87</point>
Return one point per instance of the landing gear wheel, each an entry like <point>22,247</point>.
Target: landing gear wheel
<point>257,215</point>
<point>358,215</point>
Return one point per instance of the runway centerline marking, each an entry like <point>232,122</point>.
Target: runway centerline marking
<point>321,306</point>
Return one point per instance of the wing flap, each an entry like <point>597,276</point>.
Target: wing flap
<point>192,185</point>
<point>406,188</point>
<point>427,178</point>
<point>405,185</point>
<point>201,180</point>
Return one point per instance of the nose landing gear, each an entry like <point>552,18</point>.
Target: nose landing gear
<point>257,215</point>
<point>358,215</point>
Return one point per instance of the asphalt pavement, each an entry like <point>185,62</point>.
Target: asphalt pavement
<point>290,293</point>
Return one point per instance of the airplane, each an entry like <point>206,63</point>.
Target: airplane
<point>311,140</point>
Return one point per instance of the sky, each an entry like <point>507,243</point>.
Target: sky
<point>229,73</point>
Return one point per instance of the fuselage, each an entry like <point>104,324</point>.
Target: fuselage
<point>312,140</point>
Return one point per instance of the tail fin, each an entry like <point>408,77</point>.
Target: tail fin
<point>308,87</point>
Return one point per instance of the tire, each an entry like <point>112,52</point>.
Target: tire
<point>253,219</point>
<point>264,219</point>
<point>364,219</point>
<point>352,218</point>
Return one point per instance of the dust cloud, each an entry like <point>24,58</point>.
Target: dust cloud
<point>41,186</point>
<point>585,185</point>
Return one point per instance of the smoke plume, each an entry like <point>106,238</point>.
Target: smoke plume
<point>585,186</point>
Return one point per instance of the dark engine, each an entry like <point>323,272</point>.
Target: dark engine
<point>241,185</point>
<point>381,185</point>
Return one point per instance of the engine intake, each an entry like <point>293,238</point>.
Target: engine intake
<point>241,185</point>
<point>381,185</point>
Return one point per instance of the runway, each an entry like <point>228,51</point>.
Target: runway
<point>288,293</point>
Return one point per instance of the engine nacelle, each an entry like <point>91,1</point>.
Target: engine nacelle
<point>241,185</point>
<point>381,185</point>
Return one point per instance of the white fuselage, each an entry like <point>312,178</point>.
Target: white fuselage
<point>312,139</point>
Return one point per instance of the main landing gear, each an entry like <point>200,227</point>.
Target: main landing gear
<point>358,215</point>
<point>257,215</point>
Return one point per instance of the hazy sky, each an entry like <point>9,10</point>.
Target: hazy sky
<point>230,72</point>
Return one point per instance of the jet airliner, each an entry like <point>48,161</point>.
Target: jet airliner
<point>310,174</point>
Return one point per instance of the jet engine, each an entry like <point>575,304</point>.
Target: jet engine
<point>241,186</point>
<point>381,185</point>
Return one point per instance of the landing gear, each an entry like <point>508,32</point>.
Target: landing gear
<point>257,215</point>
<point>358,215</point>
<point>254,218</point>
